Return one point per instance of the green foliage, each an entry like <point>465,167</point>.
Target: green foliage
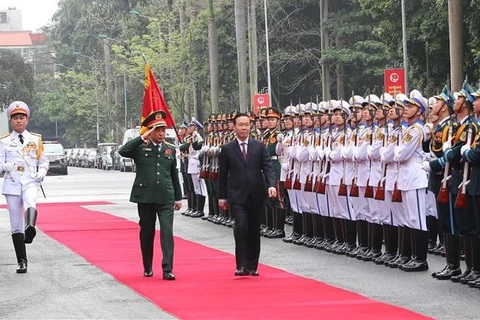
<point>17,79</point>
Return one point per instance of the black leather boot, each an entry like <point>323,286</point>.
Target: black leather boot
<point>376,238</point>
<point>432,233</point>
<point>189,204</point>
<point>421,249</point>
<point>391,245</point>
<point>279,219</point>
<point>405,254</point>
<point>452,250</point>
<point>475,274</point>
<point>362,233</point>
<point>200,207</point>
<point>20,252</point>
<point>467,247</point>
<point>297,228</point>
<point>210,208</point>
<point>30,221</point>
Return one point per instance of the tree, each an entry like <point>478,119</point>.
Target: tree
<point>240,31</point>
<point>17,79</point>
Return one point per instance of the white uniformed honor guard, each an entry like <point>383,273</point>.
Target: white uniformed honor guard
<point>25,166</point>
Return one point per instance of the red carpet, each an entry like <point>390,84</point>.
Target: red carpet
<point>205,287</point>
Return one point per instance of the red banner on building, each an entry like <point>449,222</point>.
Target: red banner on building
<point>260,100</point>
<point>394,81</point>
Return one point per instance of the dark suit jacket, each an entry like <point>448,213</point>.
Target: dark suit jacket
<point>156,179</point>
<point>241,181</point>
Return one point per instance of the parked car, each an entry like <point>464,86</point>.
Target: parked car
<point>127,164</point>
<point>56,156</point>
<point>104,155</point>
<point>91,158</point>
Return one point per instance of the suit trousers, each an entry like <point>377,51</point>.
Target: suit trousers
<point>148,217</point>
<point>247,233</point>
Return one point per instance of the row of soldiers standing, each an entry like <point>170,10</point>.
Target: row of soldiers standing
<point>355,175</point>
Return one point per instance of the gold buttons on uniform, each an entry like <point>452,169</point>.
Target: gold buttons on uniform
<point>158,182</point>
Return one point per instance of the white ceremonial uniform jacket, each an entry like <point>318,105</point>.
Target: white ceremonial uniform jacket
<point>360,155</point>
<point>281,149</point>
<point>27,158</point>
<point>303,154</point>
<point>336,161</point>
<point>374,155</point>
<point>410,156</point>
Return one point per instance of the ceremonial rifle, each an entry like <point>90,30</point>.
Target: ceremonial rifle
<point>342,189</point>
<point>397,194</point>
<point>443,193</point>
<point>326,164</point>
<point>461,201</point>
<point>369,188</point>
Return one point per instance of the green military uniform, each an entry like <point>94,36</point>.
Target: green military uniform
<point>155,189</point>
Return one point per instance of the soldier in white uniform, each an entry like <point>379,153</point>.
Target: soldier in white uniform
<point>413,181</point>
<point>25,166</point>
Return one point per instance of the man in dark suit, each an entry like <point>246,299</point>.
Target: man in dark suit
<point>245,173</point>
<point>156,194</point>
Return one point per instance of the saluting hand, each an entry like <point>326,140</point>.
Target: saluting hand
<point>147,134</point>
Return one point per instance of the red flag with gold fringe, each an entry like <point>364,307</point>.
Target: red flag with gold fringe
<point>153,99</point>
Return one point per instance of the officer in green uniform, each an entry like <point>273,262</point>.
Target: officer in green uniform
<point>156,190</point>
<point>275,207</point>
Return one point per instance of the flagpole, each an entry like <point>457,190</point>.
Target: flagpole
<point>268,55</point>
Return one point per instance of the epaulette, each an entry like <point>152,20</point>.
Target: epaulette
<point>36,134</point>
<point>5,135</point>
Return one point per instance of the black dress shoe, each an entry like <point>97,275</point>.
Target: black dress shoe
<point>473,276</point>
<point>461,276</point>
<point>30,233</point>
<point>241,272</point>
<point>291,238</point>
<point>254,273</point>
<point>168,276</point>
<point>148,273</point>
<point>22,266</point>
<point>197,214</point>
<point>276,234</point>
<point>415,266</point>
<point>435,273</point>
<point>448,273</point>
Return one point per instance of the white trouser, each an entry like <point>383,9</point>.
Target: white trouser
<point>341,206</point>
<point>17,206</point>
<point>431,204</point>
<point>360,204</point>
<point>415,208</point>
<point>199,186</point>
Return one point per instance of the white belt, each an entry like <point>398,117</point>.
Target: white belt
<point>274,158</point>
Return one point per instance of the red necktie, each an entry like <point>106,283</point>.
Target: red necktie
<point>244,150</point>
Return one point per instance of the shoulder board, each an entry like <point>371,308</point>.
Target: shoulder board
<point>169,144</point>
<point>5,135</point>
<point>36,134</point>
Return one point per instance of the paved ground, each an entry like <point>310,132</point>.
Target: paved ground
<point>61,285</point>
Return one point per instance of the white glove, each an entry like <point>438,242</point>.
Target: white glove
<point>426,166</point>
<point>327,152</point>
<point>285,166</point>
<point>320,152</point>
<point>312,154</point>
<point>465,148</point>
<point>447,145</point>
<point>40,175</point>
<point>9,166</point>
<point>369,151</point>
<point>280,137</point>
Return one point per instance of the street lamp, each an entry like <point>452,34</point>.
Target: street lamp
<point>138,14</point>
<point>105,37</point>
<point>76,53</point>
